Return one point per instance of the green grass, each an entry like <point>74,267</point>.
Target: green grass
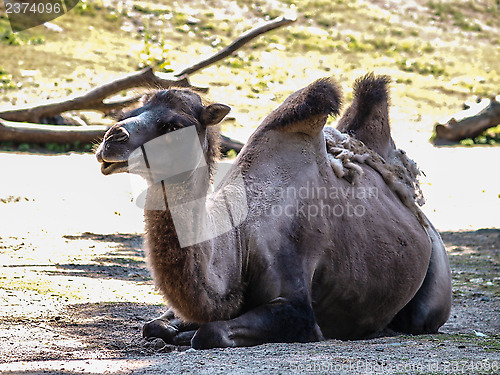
<point>422,67</point>
<point>489,137</point>
<point>490,343</point>
<point>43,287</point>
<point>22,38</point>
<point>88,8</point>
<point>6,81</point>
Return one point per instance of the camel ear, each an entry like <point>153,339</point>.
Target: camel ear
<point>214,113</point>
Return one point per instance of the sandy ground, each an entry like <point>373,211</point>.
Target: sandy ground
<point>75,290</point>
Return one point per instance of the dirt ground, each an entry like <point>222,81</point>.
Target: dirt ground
<point>75,290</point>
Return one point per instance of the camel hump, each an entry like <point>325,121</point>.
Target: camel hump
<point>306,110</point>
<point>371,92</point>
<point>367,119</point>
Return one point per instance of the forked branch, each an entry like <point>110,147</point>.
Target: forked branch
<point>94,99</point>
<point>27,129</point>
<point>237,44</point>
<point>38,133</point>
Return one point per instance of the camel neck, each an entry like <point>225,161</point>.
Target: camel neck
<point>177,208</point>
<point>196,279</point>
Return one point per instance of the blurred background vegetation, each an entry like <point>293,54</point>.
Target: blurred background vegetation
<point>439,53</point>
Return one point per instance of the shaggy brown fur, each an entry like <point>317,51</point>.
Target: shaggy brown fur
<point>181,283</point>
<point>347,154</point>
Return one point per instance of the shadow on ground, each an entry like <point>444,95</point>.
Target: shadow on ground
<point>126,260</point>
<point>114,329</point>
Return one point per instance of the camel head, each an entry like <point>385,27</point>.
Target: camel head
<point>165,112</point>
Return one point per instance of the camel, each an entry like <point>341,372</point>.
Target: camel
<point>327,238</point>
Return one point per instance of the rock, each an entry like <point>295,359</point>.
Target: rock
<point>53,27</point>
<point>192,20</point>
<point>479,334</point>
<point>158,344</point>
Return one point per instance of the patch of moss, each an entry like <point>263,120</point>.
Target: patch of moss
<point>20,38</point>
<point>422,67</point>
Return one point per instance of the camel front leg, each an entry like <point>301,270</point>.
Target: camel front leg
<point>280,320</point>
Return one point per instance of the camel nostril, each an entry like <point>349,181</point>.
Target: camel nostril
<point>117,135</point>
<point>123,135</point>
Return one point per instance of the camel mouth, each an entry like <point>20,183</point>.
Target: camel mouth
<point>108,168</point>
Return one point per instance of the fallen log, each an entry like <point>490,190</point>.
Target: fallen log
<point>22,132</point>
<point>37,133</point>
<point>23,125</point>
<point>471,122</point>
<point>227,144</point>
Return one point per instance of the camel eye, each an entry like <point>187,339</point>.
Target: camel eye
<point>171,126</point>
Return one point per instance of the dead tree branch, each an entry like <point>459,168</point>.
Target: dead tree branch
<point>22,125</point>
<point>237,44</point>
<point>471,122</point>
<point>94,99</point>
<point>227,144</point>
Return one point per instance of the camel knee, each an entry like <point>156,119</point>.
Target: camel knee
<point>430,307</point>
<point>427,311</point>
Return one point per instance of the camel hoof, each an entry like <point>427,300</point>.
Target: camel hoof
<point>159,329</point>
